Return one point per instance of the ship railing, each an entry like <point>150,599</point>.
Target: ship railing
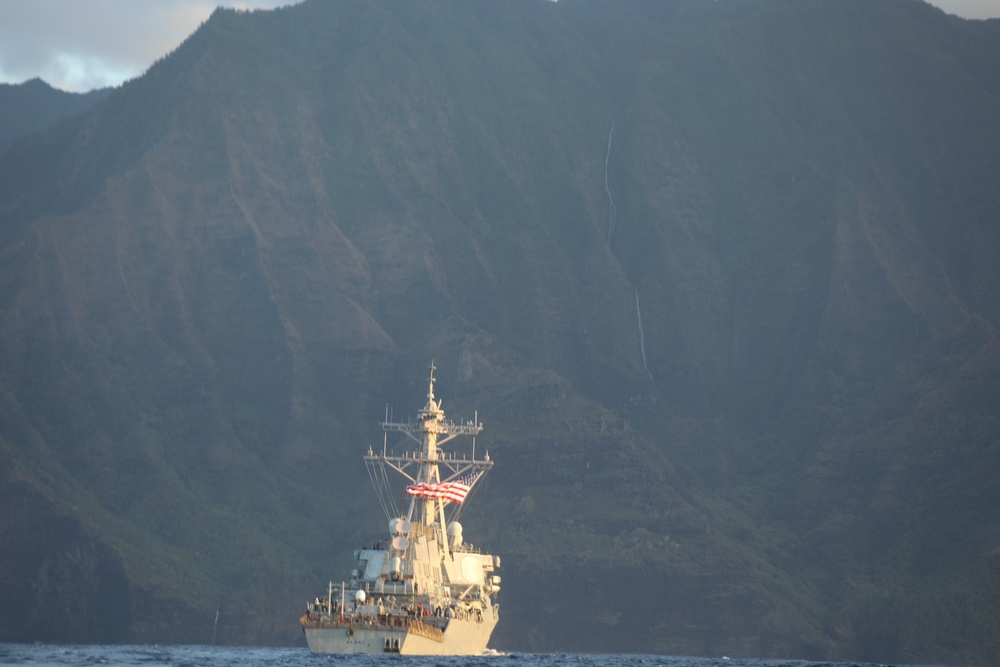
<point>418,627</point>
<point>378,622</point>
<point>467,549</point>
<point>378,588</point>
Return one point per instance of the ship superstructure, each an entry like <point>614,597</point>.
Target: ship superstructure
<point>423,590</point>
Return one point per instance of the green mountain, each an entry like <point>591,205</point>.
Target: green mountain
<point>721,278</point>
<point>34,106</point>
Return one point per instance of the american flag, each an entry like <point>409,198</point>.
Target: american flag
<point>455,490</point>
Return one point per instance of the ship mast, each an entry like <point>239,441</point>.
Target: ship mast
<point>431,430</point>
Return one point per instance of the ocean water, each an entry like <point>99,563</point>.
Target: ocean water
<point>219,656</point>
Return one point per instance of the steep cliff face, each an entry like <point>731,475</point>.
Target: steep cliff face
<point>720,278</point>
<point>58,583</point>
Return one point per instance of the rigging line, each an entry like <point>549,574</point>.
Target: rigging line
<point>379,488</point>
<point>384,489</point>
<point>457,513</point>
<point>459,507</point>
<point>369,466</point>
<point>390,499</point>
<point>390,506</point>
<point>642,341</point>
<point>612,213</point>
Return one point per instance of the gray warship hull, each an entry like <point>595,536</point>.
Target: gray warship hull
<point>459,637</point>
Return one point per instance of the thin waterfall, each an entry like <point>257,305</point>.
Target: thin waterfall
<point>642,341</point>
<point>612,214</point>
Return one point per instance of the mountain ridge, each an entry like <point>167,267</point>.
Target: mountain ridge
<point>34,105</point>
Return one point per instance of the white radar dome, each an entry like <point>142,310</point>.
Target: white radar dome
<point>455,534</point>
<point>360,596</point>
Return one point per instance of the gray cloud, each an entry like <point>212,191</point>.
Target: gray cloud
<point>971,9</point>
<point>78,46</point>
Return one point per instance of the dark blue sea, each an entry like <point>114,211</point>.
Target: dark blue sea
<point>217,656</point>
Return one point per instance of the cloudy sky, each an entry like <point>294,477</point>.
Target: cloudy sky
<point>77,46</point>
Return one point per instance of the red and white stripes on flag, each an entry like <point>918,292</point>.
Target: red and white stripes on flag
<point>455,490</point>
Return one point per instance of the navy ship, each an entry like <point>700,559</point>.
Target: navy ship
<point>422,590</point>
